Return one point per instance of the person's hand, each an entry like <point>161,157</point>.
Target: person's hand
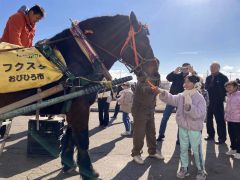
<point>187,107</point>
<point>158,90</point>
<point>177,70</point>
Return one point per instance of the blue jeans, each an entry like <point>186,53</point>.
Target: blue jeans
<point>126,121</point>
<point>166,115</point>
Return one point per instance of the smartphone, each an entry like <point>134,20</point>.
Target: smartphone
<point>183,68</point>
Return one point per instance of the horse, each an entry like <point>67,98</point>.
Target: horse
<point>114,38</point>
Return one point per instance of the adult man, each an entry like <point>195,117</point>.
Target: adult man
<point>104,100</point>
<point>143,108</point>
<point>20,27</point>
<point>177,78</point>
<point>117,106</point>
<point>215,87</point>
<point>20,30</point>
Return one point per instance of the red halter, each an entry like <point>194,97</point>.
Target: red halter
<point>131,37</point>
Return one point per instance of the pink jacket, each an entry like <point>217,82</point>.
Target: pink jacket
<point>232,110</point>
<point>193,119</point>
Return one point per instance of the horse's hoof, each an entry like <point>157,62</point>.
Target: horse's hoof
<point>93,175</point>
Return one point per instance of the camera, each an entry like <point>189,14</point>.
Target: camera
<point>183,68</point>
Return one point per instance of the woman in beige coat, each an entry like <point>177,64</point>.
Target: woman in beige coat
<point>125,100</point>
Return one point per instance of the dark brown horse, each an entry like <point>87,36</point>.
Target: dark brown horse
<point>109,41</point>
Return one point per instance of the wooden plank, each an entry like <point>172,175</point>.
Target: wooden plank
<point>31,99</point>
<point>88,90</point>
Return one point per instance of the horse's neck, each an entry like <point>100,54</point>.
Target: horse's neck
<point>109,34</point>
<point>108,37</point>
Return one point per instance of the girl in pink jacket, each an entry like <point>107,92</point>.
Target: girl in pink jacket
<point>190,115</point>
<point>232,116</point>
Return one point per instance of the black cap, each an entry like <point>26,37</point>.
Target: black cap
<point>193,78</point>
<point>185,64</point>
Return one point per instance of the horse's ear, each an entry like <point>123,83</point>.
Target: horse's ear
<point>134,21</point>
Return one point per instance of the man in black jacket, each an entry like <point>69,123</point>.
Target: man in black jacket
<point>177,78</point>
<point>117,106</point>
<point>215,87</point>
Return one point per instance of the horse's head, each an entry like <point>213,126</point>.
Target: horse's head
<point>137,52</point>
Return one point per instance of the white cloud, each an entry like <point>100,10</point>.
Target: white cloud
<point>228,68</point>
<point>188,53</point>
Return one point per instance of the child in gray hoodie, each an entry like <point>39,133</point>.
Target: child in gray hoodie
<point>190,115</point>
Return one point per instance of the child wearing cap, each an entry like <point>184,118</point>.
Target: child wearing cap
<point>232,116</point>
<point>190,115</point>
<point>125,100</point>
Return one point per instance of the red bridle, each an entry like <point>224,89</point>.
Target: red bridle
<point>131,37</point>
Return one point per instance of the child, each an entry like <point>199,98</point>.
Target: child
<point>232,116</point>
<point>190,115</point>
<point>205,94</point>
<point>125,100</point>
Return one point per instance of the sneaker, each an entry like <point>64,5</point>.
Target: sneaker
<point>126,133</point>
<point>209,138</point>
<point>138,159</point>
<point>237,156</point>
<point>157,156</point>
<point>201,175</point>
<point>160,138</point>
<point>182,173</point>
<point>220,141</point>
<point>231,152</point>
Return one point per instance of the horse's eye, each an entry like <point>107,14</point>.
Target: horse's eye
<point>146,30</point>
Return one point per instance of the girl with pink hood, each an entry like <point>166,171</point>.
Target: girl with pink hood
<point>232,116</point>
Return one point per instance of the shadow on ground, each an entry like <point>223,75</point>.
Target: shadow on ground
<point>20,162</point>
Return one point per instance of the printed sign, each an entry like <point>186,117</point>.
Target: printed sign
<point>25,69</point>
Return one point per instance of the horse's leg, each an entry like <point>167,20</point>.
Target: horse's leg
<point>78,118</point>
<point>67,150</point>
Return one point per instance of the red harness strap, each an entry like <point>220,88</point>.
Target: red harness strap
<point>83,43</point>
<point>87,49</point>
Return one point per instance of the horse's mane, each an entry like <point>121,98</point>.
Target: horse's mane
<point>95,23</point>
<point>105,30</point>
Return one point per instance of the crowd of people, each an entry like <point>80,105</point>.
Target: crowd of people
<point>195,102</point>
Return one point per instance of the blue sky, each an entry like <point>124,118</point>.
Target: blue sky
<point>195,31</point>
